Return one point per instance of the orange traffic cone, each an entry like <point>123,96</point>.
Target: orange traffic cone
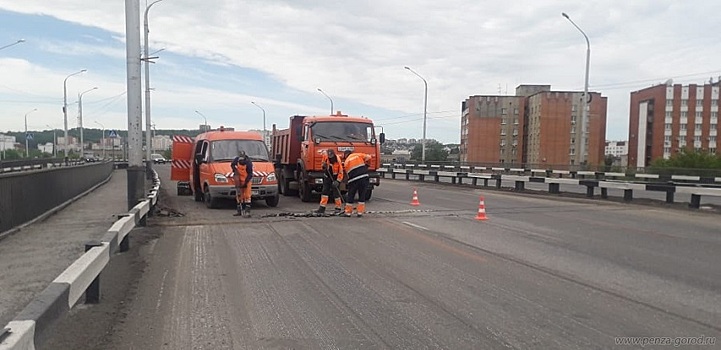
<point>415,201</point>
<point>481,210</point>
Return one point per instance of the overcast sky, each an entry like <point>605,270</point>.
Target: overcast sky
<point>222,54</point>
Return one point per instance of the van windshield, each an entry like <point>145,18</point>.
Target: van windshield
<point>342,131</point>
<point>226,150</point>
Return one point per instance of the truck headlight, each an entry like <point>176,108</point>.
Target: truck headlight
<point>318,181</point>
<point>221,178</point>
<point>270,177</point>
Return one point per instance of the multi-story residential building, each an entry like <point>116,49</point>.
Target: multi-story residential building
<point>161,143</point>
<point>536,126</point>
<point>690,121</point>
<point>492,129</point>
<point>616,148</point>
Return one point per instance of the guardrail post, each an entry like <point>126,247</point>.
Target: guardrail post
<point>499,182</point>
<point>393,174</point>
<point>474,182</point>
<point>92,294</point>
<point>485,182</point>
<point>408,175</point>
<point>453,180</point>
<point>422,177</point>
<point>520,185</point>
<point>627,195</point>
<point>436,178</point>
<point>604,192</point>
<point>460,180</point>
<point>695,201</point>
<point>669,197</point>
<point>554,188</point>
<point>124,245</point>
<point>590,191</point>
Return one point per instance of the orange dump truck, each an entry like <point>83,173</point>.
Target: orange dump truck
<point>297,151</point>
<point>202,166</point>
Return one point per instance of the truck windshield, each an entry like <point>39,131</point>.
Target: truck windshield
<point>342,131</point>
<point>228,149</point>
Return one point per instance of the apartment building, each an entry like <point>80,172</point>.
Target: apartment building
<point>537,126</point>
<point>690,121</point>
<point>616,148</point>
<point>492,129</point>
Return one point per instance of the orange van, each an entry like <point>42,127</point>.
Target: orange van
<point>202,166</point>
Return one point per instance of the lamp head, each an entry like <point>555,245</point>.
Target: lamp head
<point>565,15</point>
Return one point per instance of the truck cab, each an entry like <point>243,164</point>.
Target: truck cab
<point>202,166</point>
<point>298,150</point>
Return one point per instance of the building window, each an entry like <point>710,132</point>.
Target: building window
<point>712,139</point>
<point>668,126</point>
<point>515,111</point>
<point>667,150</point>
<point>504,111</point>
<point>712,150</point>
<point>572,151</point>
<point>669,114</point>
<point>684,114</point>
<point>684,102</point>
<point>714,114</point>
<point>714,102</point>
<point>669,103</point>
<point>683,126</point>
<point>713,126</point>
<point>573,108</point>
<point>699,103</point>
<point>698,127</point>
<point>698,115</point>
<point>667,138</point>
<point>697,138</point>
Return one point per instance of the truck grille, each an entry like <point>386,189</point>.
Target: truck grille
<point>256,180</point>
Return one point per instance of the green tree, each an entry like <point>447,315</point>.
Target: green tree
<point>434,152</point>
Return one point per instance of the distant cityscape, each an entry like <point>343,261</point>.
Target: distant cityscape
<point>535,127</point>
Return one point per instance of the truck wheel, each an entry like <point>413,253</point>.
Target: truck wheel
<point>272,201</point>
<point>304,191</point>
<point>210,202</point>
<point>369,193</point>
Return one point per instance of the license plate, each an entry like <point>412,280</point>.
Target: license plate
<point>254,192</point>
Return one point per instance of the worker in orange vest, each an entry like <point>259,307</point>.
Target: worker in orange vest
<point>356,166</point>
<point>332,176</point>
<point>242,174</point>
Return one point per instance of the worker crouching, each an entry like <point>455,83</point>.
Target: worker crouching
<point>356,166</point>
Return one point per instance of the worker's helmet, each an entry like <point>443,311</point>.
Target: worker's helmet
<point>241,154</point>
<point>331,155</point>
<point>346,153</point>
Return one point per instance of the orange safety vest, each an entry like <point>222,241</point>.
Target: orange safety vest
<point>336,168</point>
<point>356,165</point>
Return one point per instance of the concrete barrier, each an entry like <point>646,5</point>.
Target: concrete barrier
<point>33,326</point>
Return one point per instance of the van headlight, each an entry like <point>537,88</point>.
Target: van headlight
<point>221,178</point>
<point>270,177</point>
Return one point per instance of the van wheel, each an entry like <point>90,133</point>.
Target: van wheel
<point>210,202</point>
<point>272,201</point>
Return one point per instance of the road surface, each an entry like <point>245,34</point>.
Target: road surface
<point>540,274</point>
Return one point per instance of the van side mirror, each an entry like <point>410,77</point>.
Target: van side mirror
<point>199,159</point>
<point>383,137</point>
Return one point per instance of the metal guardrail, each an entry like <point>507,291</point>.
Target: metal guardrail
<point>581,174</point>
<point>32,327</point>
<point>609,180</point>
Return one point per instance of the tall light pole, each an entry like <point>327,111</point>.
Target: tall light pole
<point>136,169</point>
<point>584,114</point>
<point>55,141</point>
<point>425,110</point>
<point>265,138</point>
<point>204,119</point>
<point>103,138</point>
<point>147,59</point>
<point>27,149</point>
<point>80,119</point>
<point>15,43</point>
<point>331,100</point>
<point>65,111</point>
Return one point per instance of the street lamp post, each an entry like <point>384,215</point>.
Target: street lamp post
<point>55,141</point>
<point>204,119</point>
<point>147,59</point>
<point>584,113</point>
<point>103,138</point>
<point>27,149</point>
<point>15,43</point>
<point>425,110</point>
<point>331,100</point>
<point>65,110</point>
<point>80,119</point>
<point>265,138</point>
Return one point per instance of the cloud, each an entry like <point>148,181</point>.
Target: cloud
<point>356,51</point>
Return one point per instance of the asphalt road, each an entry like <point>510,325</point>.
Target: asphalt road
<point>540,273</point>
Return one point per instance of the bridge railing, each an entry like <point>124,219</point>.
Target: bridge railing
<point>33,326</point>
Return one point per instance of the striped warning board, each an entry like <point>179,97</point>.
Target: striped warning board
<point>182,158</point>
